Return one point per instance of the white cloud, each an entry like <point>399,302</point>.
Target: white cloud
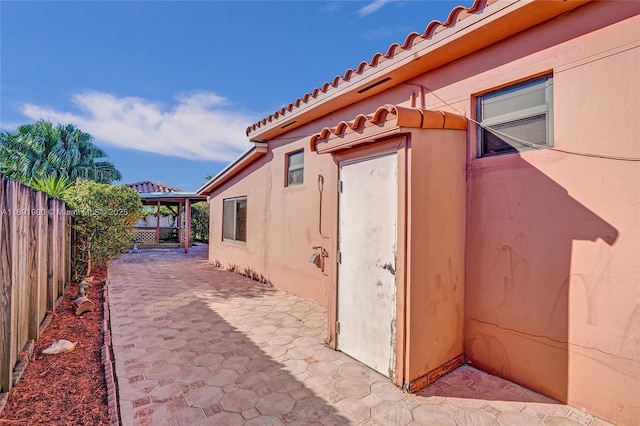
<point>199,126</point>
<point>372,7</point>
<point>331,7</point>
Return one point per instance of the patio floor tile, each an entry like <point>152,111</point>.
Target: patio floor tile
<point>210,347</point>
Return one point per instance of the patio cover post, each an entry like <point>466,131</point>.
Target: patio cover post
<point>158,223</point>
<point>187,231</point>
<point>179,222</point>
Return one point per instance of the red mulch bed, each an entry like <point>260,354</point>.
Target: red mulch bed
<point>68,388</point>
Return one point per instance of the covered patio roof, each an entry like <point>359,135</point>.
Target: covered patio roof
<point>157,194</point>
<point>151,192</point>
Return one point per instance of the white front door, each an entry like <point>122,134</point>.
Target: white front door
<point>367,256</point>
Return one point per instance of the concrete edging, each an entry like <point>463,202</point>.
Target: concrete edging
<point>107,360</point>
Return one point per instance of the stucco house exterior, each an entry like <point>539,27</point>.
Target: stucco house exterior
<point>472,195</point>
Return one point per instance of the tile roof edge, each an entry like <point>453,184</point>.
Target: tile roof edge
<point>406,117</point>
<point>152,185</point>
<point>456,15</point>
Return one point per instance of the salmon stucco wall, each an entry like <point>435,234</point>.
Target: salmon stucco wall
<point>551,255</point>
<point>250,257</point>
<point>282,223</point>
<point>436,250</point>
<point>553,260</point>
<point>552,293</point>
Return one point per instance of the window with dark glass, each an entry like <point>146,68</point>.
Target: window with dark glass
<point>234,220</point>
<point>516,118</point>
<point>295,168</point>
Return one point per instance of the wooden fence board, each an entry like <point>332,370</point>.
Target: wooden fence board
<point>52,265</point>
<point>42,255</point>
<point>68,251</point>
<point>10,320</point>
<point>20,269</point>
<point>61,245</point>
<point>34,266</point>
<point>6,288</point>
<point>13,340</point>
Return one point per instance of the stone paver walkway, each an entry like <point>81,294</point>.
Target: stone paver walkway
<point>194,344</point>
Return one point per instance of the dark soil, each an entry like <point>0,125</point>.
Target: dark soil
<point>68,388</point>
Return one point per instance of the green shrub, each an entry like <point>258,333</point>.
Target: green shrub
<point>200,221</point>
<point>103,218</point>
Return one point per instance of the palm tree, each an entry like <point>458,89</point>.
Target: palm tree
<point>42,150</point>
<point>57,187</point>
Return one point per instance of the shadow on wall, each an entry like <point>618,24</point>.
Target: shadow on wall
<point>522,229</point>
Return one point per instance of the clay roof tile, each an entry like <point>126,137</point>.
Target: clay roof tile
<point>457,14</point>
<point>149,187</point>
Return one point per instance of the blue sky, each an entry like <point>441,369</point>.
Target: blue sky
<point>168,88</point>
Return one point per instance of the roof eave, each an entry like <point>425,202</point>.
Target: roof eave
<point>386,121</point>
<point>256,151</point>
<point>168,195</point>
<point>506,17</point>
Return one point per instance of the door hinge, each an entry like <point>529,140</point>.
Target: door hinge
<point>337,327</point>
<point>340,186</point>
<point>339,257</point>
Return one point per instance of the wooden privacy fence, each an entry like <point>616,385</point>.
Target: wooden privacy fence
<point>35,256</point>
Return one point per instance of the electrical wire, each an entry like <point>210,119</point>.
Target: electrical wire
<point>524,142</point>
<point>529,144</point>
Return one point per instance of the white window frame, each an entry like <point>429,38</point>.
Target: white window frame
<point>235,239</point>
<point>546,109</point>
<point>291,168</point>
